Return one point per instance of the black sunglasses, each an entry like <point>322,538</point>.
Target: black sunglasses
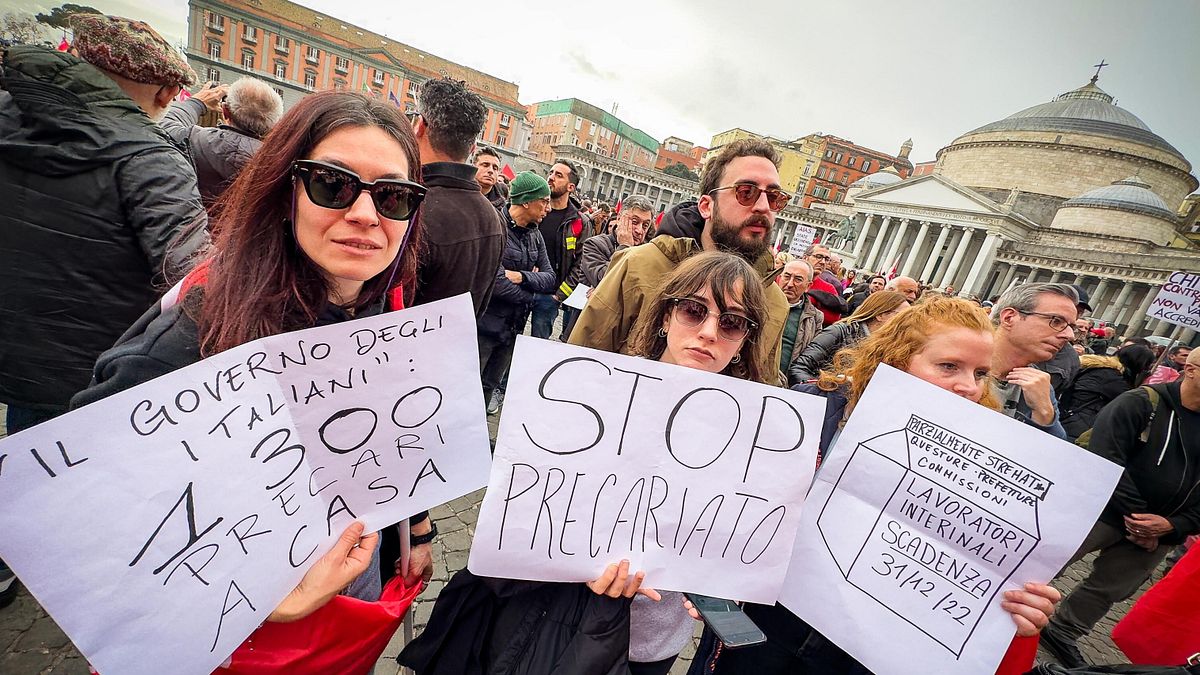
<point>730,326</point>
<point>333,187</point>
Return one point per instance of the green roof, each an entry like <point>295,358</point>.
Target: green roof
<point>590,112</point>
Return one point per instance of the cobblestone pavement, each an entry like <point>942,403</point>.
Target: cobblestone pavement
<point>32,644</point>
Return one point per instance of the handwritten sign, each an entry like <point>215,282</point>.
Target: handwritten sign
<point>1178,301</point>
<point>926,510</point>
<point>161,525</point>
<point>693,477</point>
<point>802,238</point>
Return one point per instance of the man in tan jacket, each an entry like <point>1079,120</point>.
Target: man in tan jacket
<point>739,195</point>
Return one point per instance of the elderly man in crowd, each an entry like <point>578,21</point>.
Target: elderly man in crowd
<point>906,286</point>
<point>248,107</point>
<point>1033,323</point>
<point>637,214</point>
<point>1152,432</point>
<point>804,318</point>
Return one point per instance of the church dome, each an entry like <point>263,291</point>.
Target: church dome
<point>1089,110</point>
<point>1130,194</point>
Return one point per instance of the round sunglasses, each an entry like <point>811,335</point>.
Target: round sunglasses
<point>333,187</point>
<point>747,194</point>
<point>730,326</point>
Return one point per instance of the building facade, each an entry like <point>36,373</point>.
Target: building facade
<point>797,159</point>
<point>1076,190</point>
<point>574,122</point>
<point>298,51</point>
<point>842,163</point>
<point>678,151</point>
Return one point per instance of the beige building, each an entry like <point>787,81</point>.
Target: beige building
<point>797,159</point>
<point>1077,190</point>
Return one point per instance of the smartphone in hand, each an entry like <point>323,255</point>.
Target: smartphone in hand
<point>730,624</point>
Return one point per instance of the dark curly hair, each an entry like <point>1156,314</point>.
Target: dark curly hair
<point>455,116</point>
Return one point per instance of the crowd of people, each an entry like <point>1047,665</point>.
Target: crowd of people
<point>135,241</point>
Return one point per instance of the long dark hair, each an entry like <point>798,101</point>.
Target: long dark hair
<point>258,280</point>
<point>1136,362</point>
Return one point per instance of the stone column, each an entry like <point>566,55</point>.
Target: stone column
<point>1163,329</point>
<point>1116,310</point>
<point>1187,336</point>
<point>1131,306</point>
<point>956,261</point>
<point>861,242</point>
<point>1007,279</point>
<point>1056,277</point>
<point>897,241</point>
<point>1138,319</point>
<point>983,264</point>
<point>869,263</point>
<point>951,249</point>
<point>1098,296</point>
<point>934,252</point>
<point>915,251</point>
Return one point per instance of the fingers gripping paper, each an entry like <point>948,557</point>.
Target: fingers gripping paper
<point>923,514</point>
<point>161,525</point>
<point>695,478</point>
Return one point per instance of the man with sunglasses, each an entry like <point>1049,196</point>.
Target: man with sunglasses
<point>464,236</point>
<point>1034,322</point>
<point>740,193</point>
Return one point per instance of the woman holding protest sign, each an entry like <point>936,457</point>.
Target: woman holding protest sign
<point>948,343</point>
<point>319,228</point>
<point>706,316</point>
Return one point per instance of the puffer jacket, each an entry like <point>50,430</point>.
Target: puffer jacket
<point>819,353</point>
<point>508,308</point>
<point>1100,380</point>
<point>217,153</point>
<point>636,273</point>
<point>99,212</point>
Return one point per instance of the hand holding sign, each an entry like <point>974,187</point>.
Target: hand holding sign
<point>348,558</point>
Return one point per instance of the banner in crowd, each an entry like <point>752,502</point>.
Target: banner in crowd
<point>695,478</point>
<point>802,238</point>
<point>1178,301</point>
<point>161,525</point>
<point>927,509</point>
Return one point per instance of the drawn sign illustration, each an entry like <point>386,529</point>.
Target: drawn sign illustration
<point>161,525</point>
<point>695,478</point>
<point>925,511</point>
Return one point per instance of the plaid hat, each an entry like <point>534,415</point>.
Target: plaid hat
<point>527,187</point>
<point>131,49</point>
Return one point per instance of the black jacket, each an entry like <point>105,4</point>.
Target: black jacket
<point>1100,380</point>
<point>1162,475</point>
<point>819,353</point>
<point>217,153</point>
<point>485,626</point>
<point>510,303</point>
<point>563,246</point>
<point>463,237</point>
<point>92,198</point>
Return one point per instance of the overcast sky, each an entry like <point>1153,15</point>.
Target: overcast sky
<point>873,71</point>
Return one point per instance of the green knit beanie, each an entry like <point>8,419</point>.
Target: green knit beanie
<point>527,187</point>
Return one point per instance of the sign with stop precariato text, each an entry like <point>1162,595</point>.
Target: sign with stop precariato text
<point>1178,301</point>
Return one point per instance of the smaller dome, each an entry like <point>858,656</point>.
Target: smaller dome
<point>880,178</point>
<point>1130,194</point>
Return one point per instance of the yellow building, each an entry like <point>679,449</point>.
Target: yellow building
<point>798,159</point>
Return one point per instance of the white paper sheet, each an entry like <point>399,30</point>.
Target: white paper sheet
<point>579,297</point>
<point>696,478</point>
<point>161,525</point>
<point>926,510</point>
<point>1178,301</point>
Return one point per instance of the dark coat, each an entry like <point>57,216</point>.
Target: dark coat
<point>98,213</point>
<point>1162,474</point>
<point>819,353</point>
<point>1100,380</point>
<point>463,237</point>
<point>563,245</point>
<point>485,626</point>
<point>217,153</point>
<point>510,303</point>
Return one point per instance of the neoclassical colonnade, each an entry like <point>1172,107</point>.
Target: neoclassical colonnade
<point>938,253</point>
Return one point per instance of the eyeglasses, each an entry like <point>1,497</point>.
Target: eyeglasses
<point>747,194</point>
<point>333,187</point>
<point>821,256</point>
<point>1056,322</point>
<point>730,326</point>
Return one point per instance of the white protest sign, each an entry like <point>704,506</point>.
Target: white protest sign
<point>1178,301</point>
<point>927,509</point>
<point>161,525</point>
<point>579,297</point>
<point>695,478</point>
<point>802,238</point>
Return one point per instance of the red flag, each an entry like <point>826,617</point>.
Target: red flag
<point>184,94</point>
<point>618,209</point>
<point>508,173</point>
<point>64,46</point>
